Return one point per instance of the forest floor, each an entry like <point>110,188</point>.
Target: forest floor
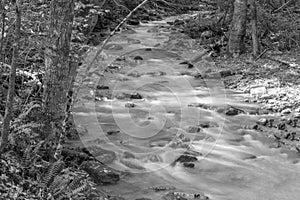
<point>175,124</point>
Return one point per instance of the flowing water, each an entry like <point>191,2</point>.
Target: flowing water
<point>150,129</point>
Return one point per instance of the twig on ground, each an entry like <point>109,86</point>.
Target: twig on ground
<point>285,4</point>
<point>263,53</point>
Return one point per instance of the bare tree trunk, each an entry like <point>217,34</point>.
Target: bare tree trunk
<point>59,68</point>
<point>255,42</point>
<point>12,79</point>
<point>2,10</point>
<point>236,44</point>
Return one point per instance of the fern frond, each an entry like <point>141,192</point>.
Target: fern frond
<point>54,169</point>
<point>81,187</point>
<point>58,184</point>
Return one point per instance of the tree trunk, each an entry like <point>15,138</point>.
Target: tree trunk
<point>3,15</point>
<point>60,70</point>
<point>236,44</point>
<point>12,79</point>
<point>255,43</point>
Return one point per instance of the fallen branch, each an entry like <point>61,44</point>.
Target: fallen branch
<point>263,53</point>
<point>284,5</point>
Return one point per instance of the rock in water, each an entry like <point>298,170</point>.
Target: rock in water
<point>185,196</point>
<point>286,111</point>
<point>136,96</point>
<point>232,111</point>
<point>100,173</point>
<point>133,22</point>
<point>189,165</point>
<point>186,158</point>
<point>138,58</point>
<point>262,121</point>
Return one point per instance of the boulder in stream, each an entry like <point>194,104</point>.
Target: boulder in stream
<point>99,173</point>
<point>185,196</point>
<point>186,158</point>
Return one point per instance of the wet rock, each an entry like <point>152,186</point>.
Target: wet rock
<point>185,196</point>
<point>148,49</point>
<point>102,87</point>
<point>210,138</point>
<point>197,75</point>
<point>262,121</point>
<point>189,165</point>
<point>130,105</point>
<point>160,143</point>
<point>281,126</point>
<point>121,58</point>
<point>186,158</point>
<point>266,96</point>
<point>254,127</point>
<point>133,22</point>
<point>226,73</point>
<point>112,132</point>
<point>138,58</point>
<point>113,47</point>
<point>232,111</point>
<point>258,91</point>
<point>103,155</point>
<point>286,111</point>
<point>162,188</point>
<point>134,74</point>
<point>99,173</point>
<point>297,115</point>
<point>133,41</point>
<point>190,65</point>
<point>194,129</point>
<point>208,124</point>
<point>136,95</point>
<point>156,73</point>
<point>192,153</point>
<point>278,135</point>
<point>220,110</point>
<point>113,67</point>
<point>132,163</point>
<point>128,154</point>
<point>178,22</point>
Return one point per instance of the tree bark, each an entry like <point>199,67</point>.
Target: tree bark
<point>254,31</point>
<point>3,15</point>
<point>60,71</point>
<point>12,79</point>
<point>236,44</point>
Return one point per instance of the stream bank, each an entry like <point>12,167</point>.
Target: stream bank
<point>170,129</point>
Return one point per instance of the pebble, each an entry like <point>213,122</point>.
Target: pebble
<point>257,91</point>
<point>194,129</point>
<point>262,121</point>
<point>297,115</point>
<point>112,132</point>
<point>138,58</point>
<point>189,165</point>
<point>130,105</point>
<point>286,111</point>
<point>231,111</point>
